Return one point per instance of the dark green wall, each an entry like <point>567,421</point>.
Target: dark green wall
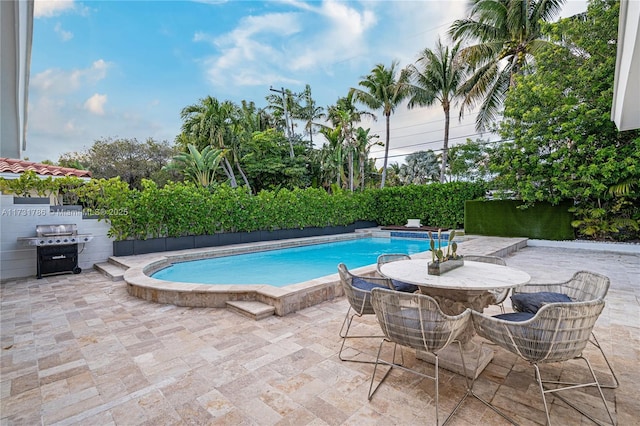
<point>503,218</point>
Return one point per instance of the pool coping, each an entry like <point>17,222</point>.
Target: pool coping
<point>285,300</point>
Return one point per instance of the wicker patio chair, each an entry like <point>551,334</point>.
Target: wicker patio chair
<point>415,320</point>
<point>557,332</point>
<point>358,292</point>
<point>500,295</point>
<point>583,286</point>
<point>392,257</point>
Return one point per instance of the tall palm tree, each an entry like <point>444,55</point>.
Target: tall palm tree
<point>383,89</point>
<point>343,115</point>
<point>436,77</point>
<point>364,142</point>
<point>284,108</point>
<point>333,156</point>
<point>309,112</point>
<point>505,36</point>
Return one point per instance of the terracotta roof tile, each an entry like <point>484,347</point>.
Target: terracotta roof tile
<point>10,165</point>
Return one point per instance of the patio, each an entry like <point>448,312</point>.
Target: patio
<point>77,349</point>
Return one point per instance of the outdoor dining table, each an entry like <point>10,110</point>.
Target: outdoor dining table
<point>464,287</point>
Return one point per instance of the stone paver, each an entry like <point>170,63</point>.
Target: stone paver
<point>78,350</point>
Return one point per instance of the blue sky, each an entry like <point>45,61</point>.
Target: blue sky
<point>125,69</point>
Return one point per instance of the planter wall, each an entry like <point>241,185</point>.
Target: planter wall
<point>152,245</point>
<point>31,200</point>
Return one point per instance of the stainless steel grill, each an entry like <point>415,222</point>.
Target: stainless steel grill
<point>57,248</point>
<point>50,235</point>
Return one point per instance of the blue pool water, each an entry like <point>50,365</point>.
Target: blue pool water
<point>289,265</point>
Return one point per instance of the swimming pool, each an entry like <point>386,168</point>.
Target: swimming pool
<point>288,266</point>
<point>286,299</point>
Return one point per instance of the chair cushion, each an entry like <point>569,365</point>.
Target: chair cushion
<point>405,287</point>
<point>532,302</point>
<point>365,285</point>
<point>515,316</point>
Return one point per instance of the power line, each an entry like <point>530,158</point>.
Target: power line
<point>440,150</point>
<point>432,142</point>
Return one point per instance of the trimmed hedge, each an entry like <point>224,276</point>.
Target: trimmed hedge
<point>182,209</point>
<point>509,218</point>
<point>440,205</point>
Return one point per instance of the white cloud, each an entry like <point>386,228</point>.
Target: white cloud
<point>49,8</point>
<point>57,81</point>
<point>275,47</point>
<point>95,104</point>
<point>64,35</point>
<point>246,57</point>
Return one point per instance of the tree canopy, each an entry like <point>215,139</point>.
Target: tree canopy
<point>564,144</point>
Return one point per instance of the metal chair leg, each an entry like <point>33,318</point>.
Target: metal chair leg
<point>595,382</point>
<point>347,321</point>
<point>470,391</point>
<point>616,383</point>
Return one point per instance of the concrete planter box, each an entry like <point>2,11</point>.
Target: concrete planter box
<point>439,268</point>
<point>31,200</point>
<point>200,241</point>
<point>180,243</point>
<point>152,245</point>
<point>123,248</point>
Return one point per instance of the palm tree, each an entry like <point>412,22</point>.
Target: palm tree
<point>206,122</point>
<point>284,109</point>
<point>309,113</point>
<point>437,77</point>
<point>217,124</point>
<point>333,157</point>
<point>381,89</point>
<point>420,167</point>
<point>364,142</point>
<point>343,115</point>
<point>505,36</point>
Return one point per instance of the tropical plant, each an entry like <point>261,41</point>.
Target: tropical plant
<point>363,143</point>
<point>309,113</point>
<point>269,165</point>
<point>199,167</point>
<point>436,77</point>
<point>285,107</point>
<point>383,89</point>
<point>561,142</point>
<point>419,168</point>
<point>215,123</point>
<point>332,159</point>
<point>343,115</point>
<point>505,35</point>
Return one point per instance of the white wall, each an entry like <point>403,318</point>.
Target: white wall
<point>17,260</point>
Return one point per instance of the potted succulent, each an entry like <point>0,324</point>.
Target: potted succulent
<point>442,262</point>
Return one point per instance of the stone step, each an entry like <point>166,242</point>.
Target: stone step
<point>251,309</point>
<point>492,246</point>
<point>108,269</point>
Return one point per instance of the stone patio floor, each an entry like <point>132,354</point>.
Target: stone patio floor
<point>78,350</point>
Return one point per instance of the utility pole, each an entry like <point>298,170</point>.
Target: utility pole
<point>286,117</point>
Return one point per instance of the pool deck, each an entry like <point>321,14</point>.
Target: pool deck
<point>80,350</point>
<point>259,300</point>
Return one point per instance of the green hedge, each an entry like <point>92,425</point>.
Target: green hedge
<point>440,205</point>
<point>508,218</point>
<point>179,209</point>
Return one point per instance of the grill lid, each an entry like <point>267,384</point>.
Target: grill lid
<point>56,230</point>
